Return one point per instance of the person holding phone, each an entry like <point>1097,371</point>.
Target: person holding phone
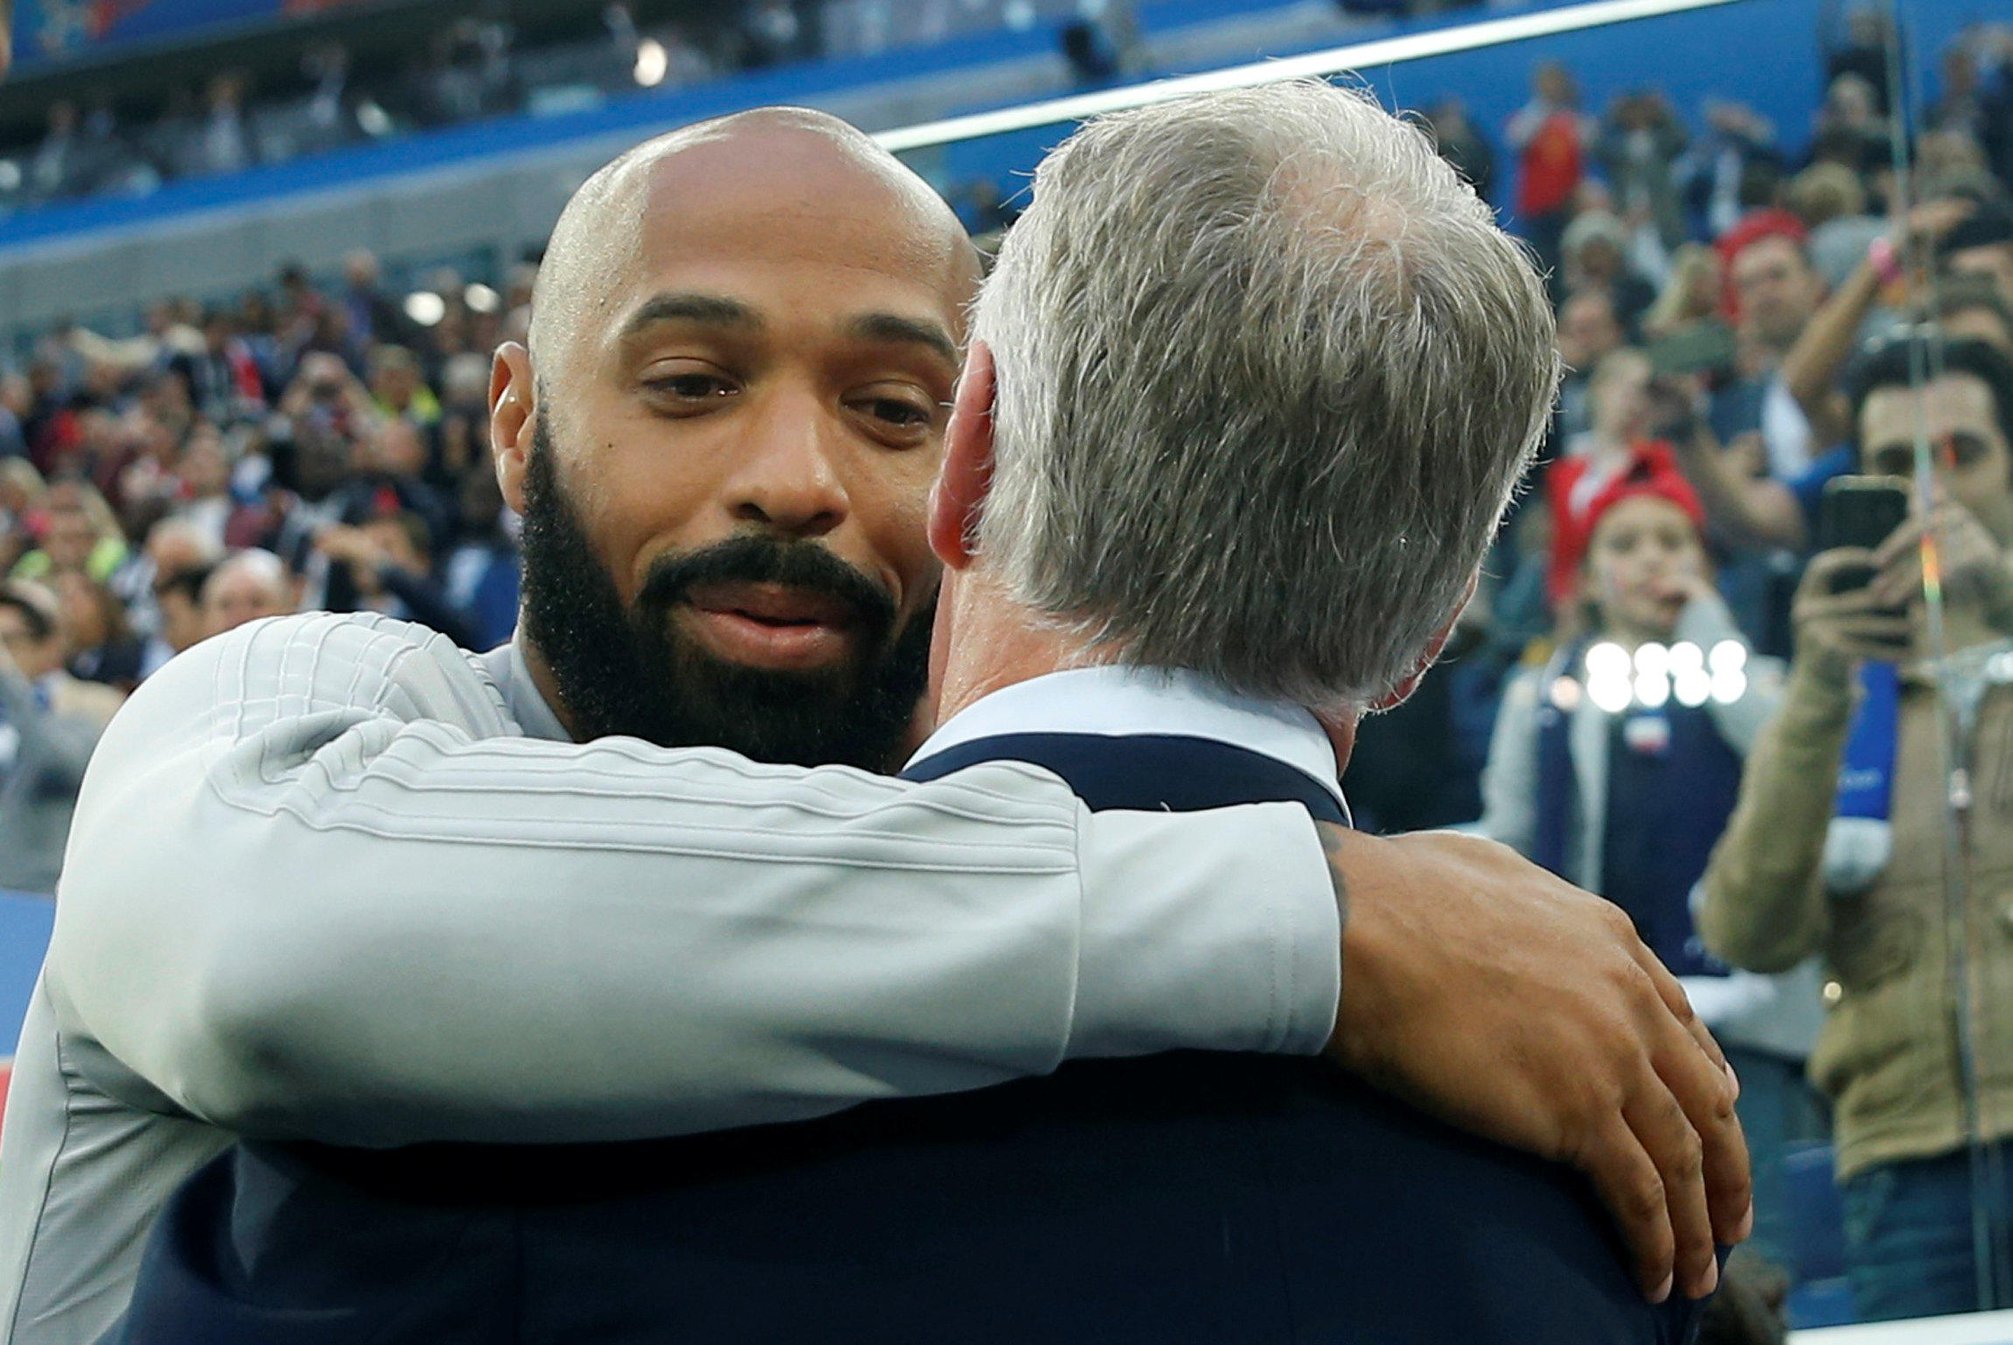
<point>1837,845</point>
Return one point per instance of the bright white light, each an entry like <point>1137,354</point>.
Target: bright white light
<point>376,122</point>
<point>1609,693</point>
<point>481,299</point>
<point>1652,660</point>
<point>1729,685</point>
<point>10,175</point>
<point>1652,689</point>
<point>425,307</point>
<point>1693,687</point>
<point>1686,655</point>
<point>1728,656</point>
<point>651,62</point>
<point>1566,694</point>
<point>1606,661</point>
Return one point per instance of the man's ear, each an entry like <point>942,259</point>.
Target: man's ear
<point>512,402</point>
<point>1401,693</point>
<point>958,497</point>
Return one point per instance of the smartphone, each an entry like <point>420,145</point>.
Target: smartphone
<point>1860,511</point>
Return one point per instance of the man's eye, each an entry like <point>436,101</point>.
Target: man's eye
<point>1966,449</point>
<point>896,411</point>
<point>692,387</point>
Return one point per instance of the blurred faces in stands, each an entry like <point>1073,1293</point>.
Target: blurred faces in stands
<point>245,587</point>
<point>1620,394</point>
<point>723,436</point>
<point>1982,245</point>
<point>179,598</point>
<point>1588,330</point>
<point>1777,290</point>
<point>69,539</point>
<point>30,630</point>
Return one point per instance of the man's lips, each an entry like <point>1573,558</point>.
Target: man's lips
<point>770,625</point>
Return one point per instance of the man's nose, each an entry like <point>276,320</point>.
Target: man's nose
<point>786,480</point>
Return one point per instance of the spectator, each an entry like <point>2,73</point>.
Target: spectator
<point>223,379</point>
<point>1776,291</point>
<point>75,536</point>
<point>371,313</point>
<point>49,723</point>
<point>1550,137</point>
<point>1689,302</point>
<point>1982,245</point>
<point>1850,128</point>
<point>245,586</point>
<point>1733,168</point>
<point>1837,843</point>
<point>1462,144</point>
<point>388,567</point>
<point>1970,308</point>
<point>1616,762</point>
<point>100,646</point>
<point>221,141</point>
<point>1618,396</point>
<point>1640,142</point>
<point>1589,332</point>
<point>1831,201</point>
<point>481,573</point>
<point>1596,248</point>
<point>178,601</point>
<point>399,390</point>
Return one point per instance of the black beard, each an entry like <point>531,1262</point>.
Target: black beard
<point>629,671</point>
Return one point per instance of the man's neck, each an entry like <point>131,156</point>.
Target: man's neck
<point>547,684</point>
<point>992,643</point>
<point>988,643</point>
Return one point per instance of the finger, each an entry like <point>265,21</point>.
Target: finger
<point>1707,1098</point>
<point>1898,584</point>
<point>1874,630</point>
<point>1628,1183</point>
<point>1671,991</point>
<point>1704,1085</point>
<point>1825,565</point>
<point>1660,1123</point>
<point>1901,541</point>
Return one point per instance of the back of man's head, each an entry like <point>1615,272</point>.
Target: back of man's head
<point>1267,375</point>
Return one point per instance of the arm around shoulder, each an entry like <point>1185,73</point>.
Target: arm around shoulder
<point>321,889</point>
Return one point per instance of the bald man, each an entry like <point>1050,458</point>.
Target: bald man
<point>244,587</point>
<point>339,884</point>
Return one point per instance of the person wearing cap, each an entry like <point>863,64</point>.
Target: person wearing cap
<point>1616,762</point>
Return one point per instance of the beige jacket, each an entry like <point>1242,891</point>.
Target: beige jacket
<point>1888,1053</point>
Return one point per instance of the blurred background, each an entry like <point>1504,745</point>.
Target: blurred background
<point>255,254</point>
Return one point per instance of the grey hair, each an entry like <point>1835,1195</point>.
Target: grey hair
<point>1268,374</point>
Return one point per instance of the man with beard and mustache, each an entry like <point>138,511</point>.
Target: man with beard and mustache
<point>338,884</point>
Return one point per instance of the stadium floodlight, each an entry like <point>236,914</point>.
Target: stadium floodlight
<point>1310,65</point>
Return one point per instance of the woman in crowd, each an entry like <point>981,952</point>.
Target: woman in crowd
<point>1616,764</point>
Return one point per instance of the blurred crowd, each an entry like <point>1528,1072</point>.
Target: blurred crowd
<point>478,67</point>
<point>1701,677</point>
<point>1744,310</point>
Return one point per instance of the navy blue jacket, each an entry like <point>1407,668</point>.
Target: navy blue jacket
<point>1180,1198</point>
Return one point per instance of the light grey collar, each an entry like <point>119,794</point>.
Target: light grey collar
<point>506,667</point>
